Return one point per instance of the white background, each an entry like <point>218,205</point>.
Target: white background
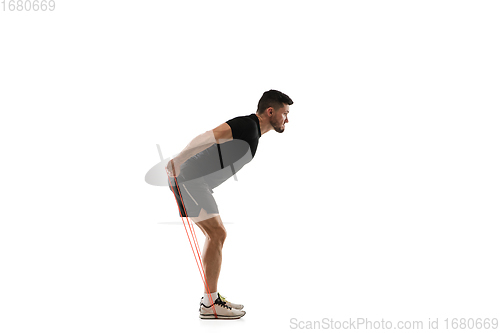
<point>380,200</point>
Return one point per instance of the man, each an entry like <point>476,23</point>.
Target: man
<point>210,159</point>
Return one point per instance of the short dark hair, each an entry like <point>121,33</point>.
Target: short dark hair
<point>273,98</point>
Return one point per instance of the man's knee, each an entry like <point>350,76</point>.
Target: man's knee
<point>213,229</point>
<point>217,234</point>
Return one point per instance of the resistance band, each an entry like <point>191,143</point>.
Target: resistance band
<point>196,249</point>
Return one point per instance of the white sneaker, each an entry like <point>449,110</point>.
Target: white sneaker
<point>222,309</point>
<point>233,305</point>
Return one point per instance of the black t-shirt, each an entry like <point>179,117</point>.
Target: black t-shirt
<point>220,161</point>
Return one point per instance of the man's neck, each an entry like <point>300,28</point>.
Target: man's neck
<point>265,126</point>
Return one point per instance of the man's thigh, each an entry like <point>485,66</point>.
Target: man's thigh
<point>204,216</point>
<point>195,199</point>
<point>210,224</point>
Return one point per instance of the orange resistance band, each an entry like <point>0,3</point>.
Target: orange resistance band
<point>196,253</point>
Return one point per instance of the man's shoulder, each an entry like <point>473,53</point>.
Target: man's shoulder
<point>244,125</point>
<point>249,118</point>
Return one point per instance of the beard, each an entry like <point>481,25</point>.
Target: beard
<point>278,127</point>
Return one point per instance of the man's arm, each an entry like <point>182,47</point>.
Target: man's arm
<point>220,134</point>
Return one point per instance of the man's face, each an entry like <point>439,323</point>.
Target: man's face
<point>280,118</point>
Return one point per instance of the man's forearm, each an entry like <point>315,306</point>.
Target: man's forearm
<point>198,144</point>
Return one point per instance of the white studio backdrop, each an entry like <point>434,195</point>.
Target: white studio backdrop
<point>379,201</point>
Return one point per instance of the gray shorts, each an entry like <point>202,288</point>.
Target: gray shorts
<point>192,196</point>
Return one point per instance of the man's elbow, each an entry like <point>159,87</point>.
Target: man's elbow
<point>223,133</point>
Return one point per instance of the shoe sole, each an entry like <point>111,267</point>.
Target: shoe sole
<point>212,316</point>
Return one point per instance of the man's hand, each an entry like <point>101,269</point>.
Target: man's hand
<point>173,167</point>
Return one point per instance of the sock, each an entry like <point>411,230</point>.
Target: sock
<point>206,299</point>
